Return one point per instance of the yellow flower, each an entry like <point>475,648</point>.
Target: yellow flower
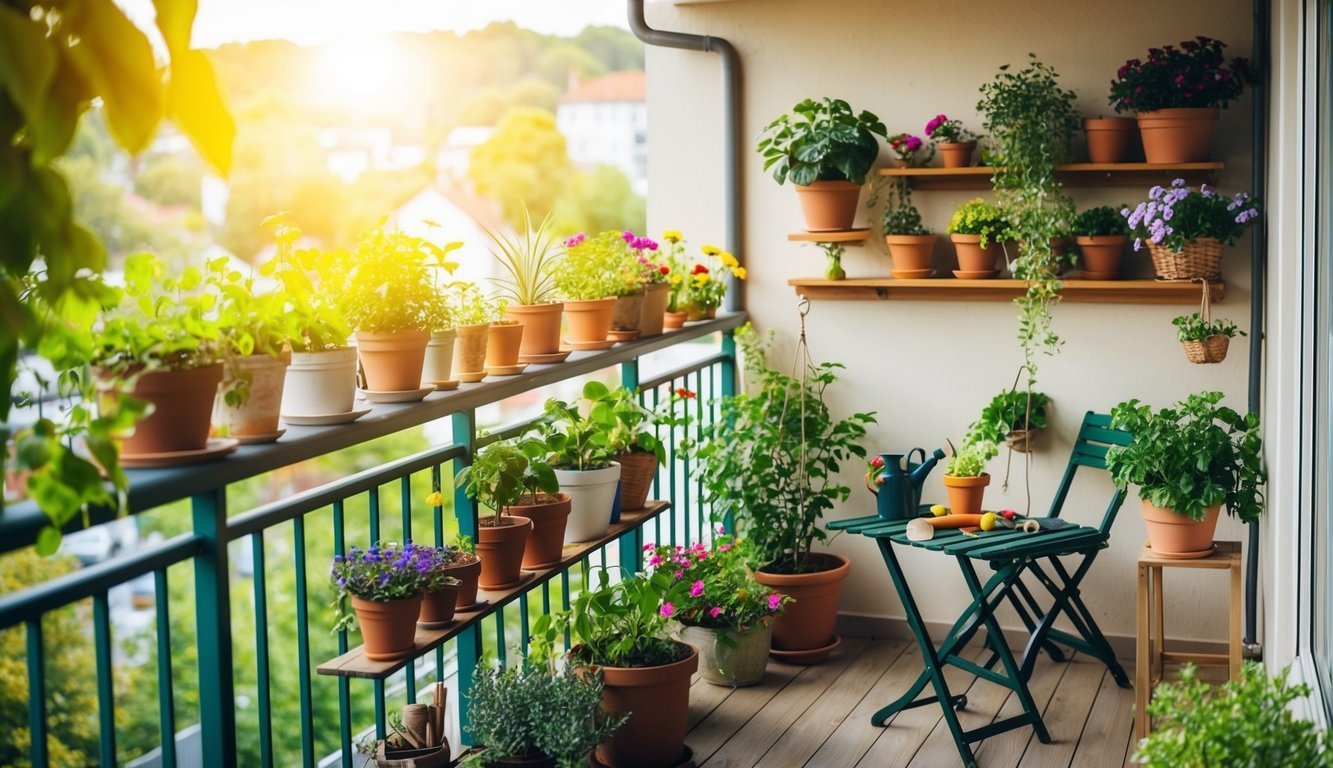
<point>435,499</point>
<point>739,273</point>
<point>701,279</point>
<point>728,260</point>
<point>711,250</point>
<point>676,277</point>
<point>672,236</point>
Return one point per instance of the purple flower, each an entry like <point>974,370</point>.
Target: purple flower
<point>384,579</point>
<point>1178,183</point>
<point>575,240</point>
<point>1138,243</point>
<point>627,236</point>
<point>1246,215</point>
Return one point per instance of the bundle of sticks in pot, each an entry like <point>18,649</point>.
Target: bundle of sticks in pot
<point>420,742</point>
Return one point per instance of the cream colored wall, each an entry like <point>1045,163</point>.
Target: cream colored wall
<point>928,367</point>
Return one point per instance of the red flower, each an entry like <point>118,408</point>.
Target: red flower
<point>684,393</point>
<point>699,269</point>
<point>665,269</point>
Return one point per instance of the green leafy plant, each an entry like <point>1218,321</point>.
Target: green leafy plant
<point>628,423</point>
<point>311,281</point>
<point>528,260</point>
<point>390,287</point>
<point>1192,456</point>
<point>772,456</point>
<point>978,217</point>
<point>597,267</point>
<point>530,709</point>
<point>625,624</point>
<point>1193,327</point>
<point>942,129</point>
<point>1009,410</point>
<point>970,460</point>
<point>160,322</point>
<point>900,216</point>
<point>576,441</point>
<point>464,303</point>
<point>715,586</point>
<point>1245,723</point>
<point>1101,221</point>
<point>501,472</point>
<point>821,141</point>
<point>250,322</point>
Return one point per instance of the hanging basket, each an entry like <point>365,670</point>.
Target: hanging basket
<point>1212,349</point>
<point>1199,259</point>
<point>1022,440</point>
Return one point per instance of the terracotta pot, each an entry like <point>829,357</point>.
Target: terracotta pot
<point>1102,255</point>
<point>658,700</point>
<point>828,205</point>
<point>1177,536</point>
<point>808,623</point>
<point>910,252</point>
<point>591,493</point>
<point>503,343</point>
<point>439,364</point>
<point>1177,135</point>
<point>695,312</point>
<point>673,320</point>
<point>972,257</point>
<point>652,316</point>
<point>468,574</point>
<point>589,321</point>
<point>437,607</point>
<point>501,548</point>
<point>1110,139</point>
<point>182,410</point>
<point>470,348</point>
<point>259,378</point>
<point>956,155</point>
<point>966,493</point>
<point>320,383</point>
<point>729,657</point>
<point>637,470</point>
<point>545,546</point>
<point>541,328</point>
<point>392,362</point>
<point>625,314</point>
<point>388,629</point>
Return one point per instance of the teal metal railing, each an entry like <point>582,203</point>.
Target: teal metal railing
<point>251,665</point>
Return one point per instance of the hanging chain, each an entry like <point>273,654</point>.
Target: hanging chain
<point>800,359</point>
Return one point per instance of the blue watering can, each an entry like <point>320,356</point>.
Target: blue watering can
<point>898,483</point>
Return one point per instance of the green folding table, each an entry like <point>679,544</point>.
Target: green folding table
<point>1010,554</point>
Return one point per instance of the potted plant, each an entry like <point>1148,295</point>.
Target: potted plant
<point>532,714</point>
<point>1204,340</point>
<point>976,229</point>
<point>473,314</point>
<point>1245,722</point>
<point>722,611</point>
<point>590,277</point>
<point>256,332</point>
<point>1110,139</point>
<point>632,263</point>
<point>704,285</point>
<point>903,148</point>
<point>162,344</point>
<point>1100,234</point>
<point>383,585</point>
<point>911,244</point>
<point>633,445</point>
<point>321,380</point>
<point>437,370</point>
<point>654,276</point>
<point>1185,228</point>
<point>439,590</point>
<point>674,315</point>
<point>529,287</point>
<point>622,630</point>
<point>965,477</point>
<point>770,461</point>
<point>580,451</point>
<point>389,297</point>
<point>955,143</point>
<point>1189,460</point>
<point>1177,94</point>
<point>541,502</point>
<point>826,149</point>
<point>1013,416</point>
<point>504,339</point>
<point>494,480</point>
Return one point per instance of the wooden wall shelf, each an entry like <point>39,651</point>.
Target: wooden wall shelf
<point>355,664</point>
<point>848,236</point>
<point>1071,174</point>
<point>999,289</point>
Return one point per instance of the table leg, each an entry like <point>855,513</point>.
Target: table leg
<point>1235,619</point>
<point>1141,658</point>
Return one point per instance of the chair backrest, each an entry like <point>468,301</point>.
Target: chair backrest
<point>1095,437</point>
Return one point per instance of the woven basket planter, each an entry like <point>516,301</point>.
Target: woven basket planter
<point>1022,440</point>
<point>1210,350</point>
<point>1199,259</point>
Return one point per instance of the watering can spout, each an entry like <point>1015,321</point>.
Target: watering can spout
<point>921,471</point>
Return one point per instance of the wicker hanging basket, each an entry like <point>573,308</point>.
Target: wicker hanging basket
<point>1212,349</point>
<point>1199,259</point>
<point>1022,440</point>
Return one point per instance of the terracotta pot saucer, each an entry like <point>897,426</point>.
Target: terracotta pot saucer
<point>588,346</point>
<point>552,358</point>
<point>687,760</point>
<point>980,274</point>
<point>506,370</point>
<point>445,385</point>
<point>1195,555</point>
<point>267,437</point>
<point>324,419</point>
<point>911,274</point>
<point>397,396</point>
<point>216,448</point>
<point>807,656</point>
<point>471,377</point>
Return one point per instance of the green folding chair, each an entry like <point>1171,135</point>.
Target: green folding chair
<point>1010,554</point>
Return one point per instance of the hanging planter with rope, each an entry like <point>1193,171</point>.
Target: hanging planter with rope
<point>1205,340</point>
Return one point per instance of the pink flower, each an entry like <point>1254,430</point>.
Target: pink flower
<point>678,575</point>
<point>714,611</point>
<point>655,561</point>
<point>627,236</point>
<point>877,462</point>
<point>774,601</point>
<point>667,610</point>
<point>575,240</point>
<point>697,589</point>
<point>649,547</point>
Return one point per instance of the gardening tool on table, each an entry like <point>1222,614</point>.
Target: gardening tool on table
<point>923,528</point>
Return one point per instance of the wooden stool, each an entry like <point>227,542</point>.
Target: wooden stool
<point>1150,656</point>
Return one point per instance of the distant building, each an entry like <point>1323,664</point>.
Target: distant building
<point>605,120</point>
<point>452,159</point>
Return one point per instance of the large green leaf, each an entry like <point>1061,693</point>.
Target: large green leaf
<point>27,62</point>
<point>115,56</point>
<point>174,19</point>
<point>52,130</point>
<point>194,102</point>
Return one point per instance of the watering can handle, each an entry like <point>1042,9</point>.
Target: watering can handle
<point>907,460</point>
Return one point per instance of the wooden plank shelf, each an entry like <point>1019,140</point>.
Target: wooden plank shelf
<point>355,664</point>
<point>848,236</point>
<point>1071,174</point>
<point>1000,289</point>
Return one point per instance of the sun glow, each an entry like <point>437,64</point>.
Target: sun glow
<point>354,73</point>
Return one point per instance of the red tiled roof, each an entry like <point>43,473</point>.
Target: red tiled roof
<point>617,86</point>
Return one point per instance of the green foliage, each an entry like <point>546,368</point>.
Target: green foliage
<point>311,279</point>
<point>978,217</point>
<point>1193,328</point>
<point>390,287</point>
<point>1192,456</point>
<point>715,587</point>
<point>160,322</point>
<point>576,441</point>
<point>464,303</point>
<point>629,424</point>
<point>523,164</point>
<point>1245,723</point>
<point>530,708</point>
<point>970,460</point>
<point>821,141</point>
<point>502,472</point>
<point>529,261</point>
<point>1011,409</point>
<point>772,456</point>
<point>900,216</point>
<point>1101,221</point>
<point>1030,119</point>
<point>624,624</point>
<point>597,267</point>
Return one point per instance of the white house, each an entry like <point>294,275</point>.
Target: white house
<point>605,121</point>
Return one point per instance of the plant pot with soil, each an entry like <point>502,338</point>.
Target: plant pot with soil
<point>976,229</point>
<point>956,144</point>
<point>528,286</point>
<point>541,502</point>
<point>1186,229</point>
<point>1101,234</point>
<point>472,314</point>
<point>630,437</point>
<point>383,586</point>
<point>911,245</point>
<point>579,450</point>
<point>439,592</point>
<point>1110,139</point>
<point>594,271</point>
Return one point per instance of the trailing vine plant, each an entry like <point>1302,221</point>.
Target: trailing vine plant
<point>1031,121</point>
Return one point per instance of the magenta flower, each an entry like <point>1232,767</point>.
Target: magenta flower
<point>714,611</point>
<point>654,561</point>
<point>575,240</point>
<point>667,610</point>
<point>697,589</point>
<point>774,601</point>
<point>627,236</point>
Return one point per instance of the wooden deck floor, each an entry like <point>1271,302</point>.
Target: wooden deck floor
<point>819,716</point>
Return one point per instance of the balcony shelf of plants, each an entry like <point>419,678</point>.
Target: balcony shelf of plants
<point>1072,174</point>
<point>1087,291</point>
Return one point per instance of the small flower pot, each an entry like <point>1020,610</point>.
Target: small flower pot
<point>1102,256</point>
<point>652,315</point>
<point>388,629</point>
<point>730,657</point>
<point>1210,350</point>
<point>658,702</point>
<point>392,362</point>
<point>828,205</point>
<point>470,348</point>
<point>439,363</point>
<point>625,316</point>
<point>956,154</point>
<point>589,321</point>
<point>545,547</point>
<point>637,470</point>
<point>541,328</point>
<point>1110,139</point>
<point>592,493</point>
<point>975,262</point>
<point>673,320</point>
<point>966,493</point>
<point>182,410</point>
<point>437,607</point>
<point>911,254</point>
<point>260,380</point>
<point>500,548</point>
<point>503,344</point>
<point>320,383</point>
<point>1177,135</point>
<point>804,632</point>
<point>468,572</point>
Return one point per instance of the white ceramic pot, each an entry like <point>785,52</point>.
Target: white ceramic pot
<point>258,380</point>
<point>320,383</point>
<point>591,494</point>
<point>728,657</point>
<point>439,357</point>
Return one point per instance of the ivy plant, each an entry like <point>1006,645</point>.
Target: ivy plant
<point>1008,411</point>
<point>1194,328</point>
<point>1191,456</point>
<point>822,140</point>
